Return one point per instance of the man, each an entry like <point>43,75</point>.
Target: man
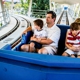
<point>50,44</point>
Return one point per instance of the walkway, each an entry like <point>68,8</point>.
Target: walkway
<point>6,29</point>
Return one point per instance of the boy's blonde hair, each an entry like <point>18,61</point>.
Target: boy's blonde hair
<point>75,25</point>
<point>77,20</point>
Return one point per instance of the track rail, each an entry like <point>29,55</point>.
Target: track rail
<point>19,39</point>
<point>12,30</point>
<point>67,21</point>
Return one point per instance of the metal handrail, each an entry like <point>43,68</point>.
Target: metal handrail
<point>38,13</point>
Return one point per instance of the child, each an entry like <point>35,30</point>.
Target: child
<point>39,33</point>
<point>73,40</point>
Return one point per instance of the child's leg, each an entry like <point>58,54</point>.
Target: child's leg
<point>32,47</point>
<point>78,56</point>
<point>72,55</point>
<point>65,54</point>
<point>68,52</point>
<point>25,47</point>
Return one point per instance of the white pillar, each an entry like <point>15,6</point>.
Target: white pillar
<point>79,11</point>
<point>2,10</point>
<point>54,6</point>
<point>12,7</point>
<point>1,6</point>
<point>30,5</point>
<point>50,4</point>
<point>78,8</point>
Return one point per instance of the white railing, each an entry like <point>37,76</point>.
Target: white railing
<point>4,18</point>
<point>38,13</point>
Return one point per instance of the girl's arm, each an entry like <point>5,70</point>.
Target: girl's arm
<point>69,46</point>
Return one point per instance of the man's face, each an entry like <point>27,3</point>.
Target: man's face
<point>49,19</point>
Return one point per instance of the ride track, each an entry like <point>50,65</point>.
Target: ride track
<point>6,40</point>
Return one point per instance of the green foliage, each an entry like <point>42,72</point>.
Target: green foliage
<point>0,24</point>
<point>7,5</point>
<point>39,8</point>
<point>18,5</point>
<point>22,3</point>
<point>40,4</point>
<point>25,5</point>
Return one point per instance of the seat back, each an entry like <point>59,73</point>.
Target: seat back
<point>26,37</point>
<point>61,44</point>
<point>24,40</point>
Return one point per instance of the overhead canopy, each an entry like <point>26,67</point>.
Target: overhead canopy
<point>66,1</point>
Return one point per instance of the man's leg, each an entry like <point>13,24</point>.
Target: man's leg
<point>65,54</point>
<point>47,50</point>
<point>42,51</point>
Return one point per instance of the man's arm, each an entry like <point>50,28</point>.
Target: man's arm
<point>43,38</point>
<point>43,41</point>
<point>46,41</point>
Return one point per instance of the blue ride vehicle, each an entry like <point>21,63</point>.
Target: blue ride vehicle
<point>18,65</point>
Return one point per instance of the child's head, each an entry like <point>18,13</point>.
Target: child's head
<point>38,24</point>
<point>75,27</point>
<point>77,20</point>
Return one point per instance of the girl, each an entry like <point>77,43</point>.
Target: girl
<point>73,40</point>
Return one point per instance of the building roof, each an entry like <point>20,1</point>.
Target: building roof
<point>70,2</point>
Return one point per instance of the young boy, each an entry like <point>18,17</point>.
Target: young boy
<point>39,33</point>
<point>73,40</point>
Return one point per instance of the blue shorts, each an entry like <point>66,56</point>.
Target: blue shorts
<point>37,45</point>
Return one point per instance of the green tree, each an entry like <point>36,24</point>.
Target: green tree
<point>39,7</point>
<point>7,5</point>
<point>25,5</point>
<point>17,6</point>
<point>40,4</point>
<point>22,3</point>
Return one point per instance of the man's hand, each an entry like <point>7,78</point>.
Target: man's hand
<point>39,39</point>
<point>33,39</point>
